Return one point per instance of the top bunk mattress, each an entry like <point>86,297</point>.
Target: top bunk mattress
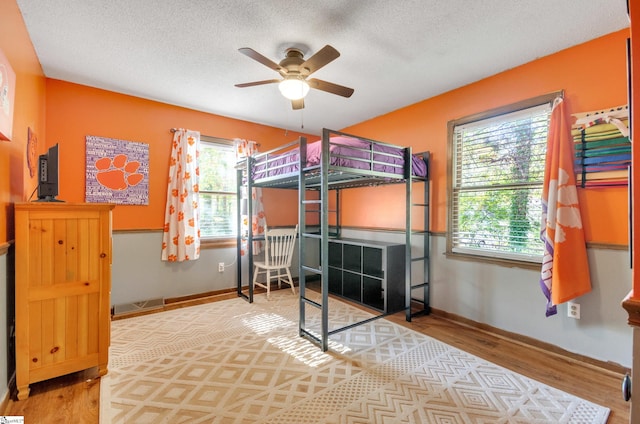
<point>345,154</point>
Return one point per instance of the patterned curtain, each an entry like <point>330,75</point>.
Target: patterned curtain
<point>565,266</point>
<point>245,149</point>
<point>181,238</point>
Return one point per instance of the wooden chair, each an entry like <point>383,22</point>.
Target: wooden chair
<point>279,245</point>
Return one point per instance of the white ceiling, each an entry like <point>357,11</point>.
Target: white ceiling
<point>393,53</point>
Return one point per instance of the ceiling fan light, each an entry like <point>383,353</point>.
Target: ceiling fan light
<point>294,88</point>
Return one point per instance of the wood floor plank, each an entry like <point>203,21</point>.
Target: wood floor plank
<point>75,397</point>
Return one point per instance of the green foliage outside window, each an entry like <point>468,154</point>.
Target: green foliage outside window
<point>217,190</point>
<point>498,170</point>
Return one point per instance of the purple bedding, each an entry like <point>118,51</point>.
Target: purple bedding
<point>346,152</point>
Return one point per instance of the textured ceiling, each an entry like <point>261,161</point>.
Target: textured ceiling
<point>393,53</point>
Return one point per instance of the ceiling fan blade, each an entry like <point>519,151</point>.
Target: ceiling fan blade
<point>251,84</point>
<point>248,51</point>
<point>321,58</point>
<point>297,104</point>
<point>330,87</point>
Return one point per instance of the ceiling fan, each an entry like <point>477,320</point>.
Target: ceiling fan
<point>294,70</point>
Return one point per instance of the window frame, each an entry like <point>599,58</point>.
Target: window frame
<point>219,241</point>
<point>488,257</point>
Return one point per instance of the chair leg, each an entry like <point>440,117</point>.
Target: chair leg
<point>255,276</point>
<point>290,281</point>
<point>268,284</point>
<point>260,271</point>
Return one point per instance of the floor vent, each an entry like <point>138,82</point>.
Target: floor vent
<point>144,305</point>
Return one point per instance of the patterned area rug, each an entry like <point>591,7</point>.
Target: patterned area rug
<point>235,362</point>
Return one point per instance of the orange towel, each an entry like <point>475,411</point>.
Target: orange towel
<point>565,267</point>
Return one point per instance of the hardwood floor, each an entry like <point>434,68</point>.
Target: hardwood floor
<point>75,397</point>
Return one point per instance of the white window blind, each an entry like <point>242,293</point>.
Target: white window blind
<point>217,185</point>
<point>498,171</point>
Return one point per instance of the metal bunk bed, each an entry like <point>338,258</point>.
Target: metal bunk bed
<point>314,181</point>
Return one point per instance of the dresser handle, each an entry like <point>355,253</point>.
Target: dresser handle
<point>103,255</point>
<point>34,360</point>
<point>55,349</point>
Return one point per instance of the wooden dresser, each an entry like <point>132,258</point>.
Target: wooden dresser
<point>63,289</point>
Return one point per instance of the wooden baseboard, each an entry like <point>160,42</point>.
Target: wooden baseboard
<point>533,343</point>
<point>197,296</point>
<point>181,302</point>
<point>191,300</point>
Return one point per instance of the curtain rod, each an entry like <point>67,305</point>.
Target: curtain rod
<point>173,130</point>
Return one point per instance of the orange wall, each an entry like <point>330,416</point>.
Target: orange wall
<point>75,111</point>
<point>15,181</point>
<point>634,11</point>
<point>593,75</point>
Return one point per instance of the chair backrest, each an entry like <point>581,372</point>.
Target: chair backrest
<point>279,246</point>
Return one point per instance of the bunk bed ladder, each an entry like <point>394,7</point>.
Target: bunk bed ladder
<point>317,204</point>
<point>244,198</point>
<point>423,276</point>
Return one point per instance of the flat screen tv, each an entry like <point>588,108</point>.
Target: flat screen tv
<point>48,176</point>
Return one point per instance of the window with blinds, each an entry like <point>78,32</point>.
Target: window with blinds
<point>217,185</point>
<point>497,167</point>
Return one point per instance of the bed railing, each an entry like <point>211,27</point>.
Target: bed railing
<point>353,161</point>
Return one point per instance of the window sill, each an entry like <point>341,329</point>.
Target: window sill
<point>218,243</point>
<point>509,263</point>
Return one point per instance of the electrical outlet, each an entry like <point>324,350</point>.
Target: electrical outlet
<point>221,267</point>
<point>573,310</point>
